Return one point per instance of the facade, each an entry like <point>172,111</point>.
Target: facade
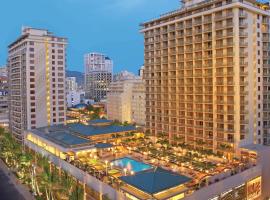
<point>126,99</point>
<point>98,75</point>
<point>207,74</point>
<point>75,97</point>
<point>71,84</point>
<point>36,72</point>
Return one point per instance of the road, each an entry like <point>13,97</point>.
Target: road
<point>10,188</point>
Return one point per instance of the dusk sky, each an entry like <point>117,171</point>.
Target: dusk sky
<point>107,26</point>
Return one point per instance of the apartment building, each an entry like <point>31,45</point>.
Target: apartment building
<point>36,72</point>
<point>98,75</point>
<point>207,74</point>
<point>126,99</point>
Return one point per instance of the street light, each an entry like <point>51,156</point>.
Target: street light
<point>106,162</point>
<point>132,173</point>
<point>111,164</point>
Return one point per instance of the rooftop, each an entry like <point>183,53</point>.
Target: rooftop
<point>90,130</point>
<point>155,180</point>
<point>80,106</point>
<point>63,138</point>
<point>99,121</point>
<point>103,145</point>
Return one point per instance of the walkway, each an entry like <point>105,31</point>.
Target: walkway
<point>10,188</point>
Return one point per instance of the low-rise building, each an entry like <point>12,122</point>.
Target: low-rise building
<point>71,84</point>
<point>100,155</point>
<point>126,99</point>
<point>75,97</point>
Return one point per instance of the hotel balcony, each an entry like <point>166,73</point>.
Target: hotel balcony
<point>197,22</point>
<point>243,25</point>
<point>242,14</point>
<point>243,34</point>
<point>207,29</point>
<point>188,25</point>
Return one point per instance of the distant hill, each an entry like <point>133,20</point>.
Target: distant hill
<point>79,76</point>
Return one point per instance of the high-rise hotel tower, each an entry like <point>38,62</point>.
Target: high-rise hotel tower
<point>36,70</point>
<point>98,75</point>
<point>207,74</point>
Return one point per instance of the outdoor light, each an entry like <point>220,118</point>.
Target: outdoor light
<point>132,173</point>
<point>125,171</point>
<point>106,162</point>
<point>111,165</point>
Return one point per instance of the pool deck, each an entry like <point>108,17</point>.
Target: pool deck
<point>143,166</point>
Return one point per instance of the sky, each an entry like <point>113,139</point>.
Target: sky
<point>107,26</point>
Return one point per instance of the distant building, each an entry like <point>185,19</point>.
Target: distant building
<point>124,75</point>
<point>141,71</point>
<point>4,119</point>
<point>79,77</point>
<point>3,71</point>
<point>75,97</point>
<point>36,72</point>
<point>98,75</point>
<point>71,84</point>
<point>126,99</point>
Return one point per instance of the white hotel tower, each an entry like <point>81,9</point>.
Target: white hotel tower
<point>207,74</point>
<point>98,75</point>
<point>36,70</point>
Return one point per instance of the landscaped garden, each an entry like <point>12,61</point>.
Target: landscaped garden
<point>44,180</point>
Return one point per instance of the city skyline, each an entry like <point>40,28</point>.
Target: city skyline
<point>194,124</point>
<point>110,28</point>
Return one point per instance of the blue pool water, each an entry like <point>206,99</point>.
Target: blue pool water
<point>131,165</point>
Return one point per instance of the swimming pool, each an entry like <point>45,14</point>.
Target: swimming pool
<point>131,165</point>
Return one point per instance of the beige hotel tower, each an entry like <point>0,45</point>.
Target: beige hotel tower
<point>36,70</point>
<point>207,74</point>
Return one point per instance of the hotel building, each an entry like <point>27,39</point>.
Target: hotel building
<point>126,99</point>
<point>207,74</point>
<point>36,72</point>
<point>98,75</point>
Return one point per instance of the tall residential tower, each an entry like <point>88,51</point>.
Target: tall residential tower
<point>207,74</point>
<point>36,70</point>
<point>98,75</point>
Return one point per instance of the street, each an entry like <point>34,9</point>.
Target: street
<point>7,190</point>
<point>10,188</point>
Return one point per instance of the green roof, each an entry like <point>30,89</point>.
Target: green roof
<point>155,180</point>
